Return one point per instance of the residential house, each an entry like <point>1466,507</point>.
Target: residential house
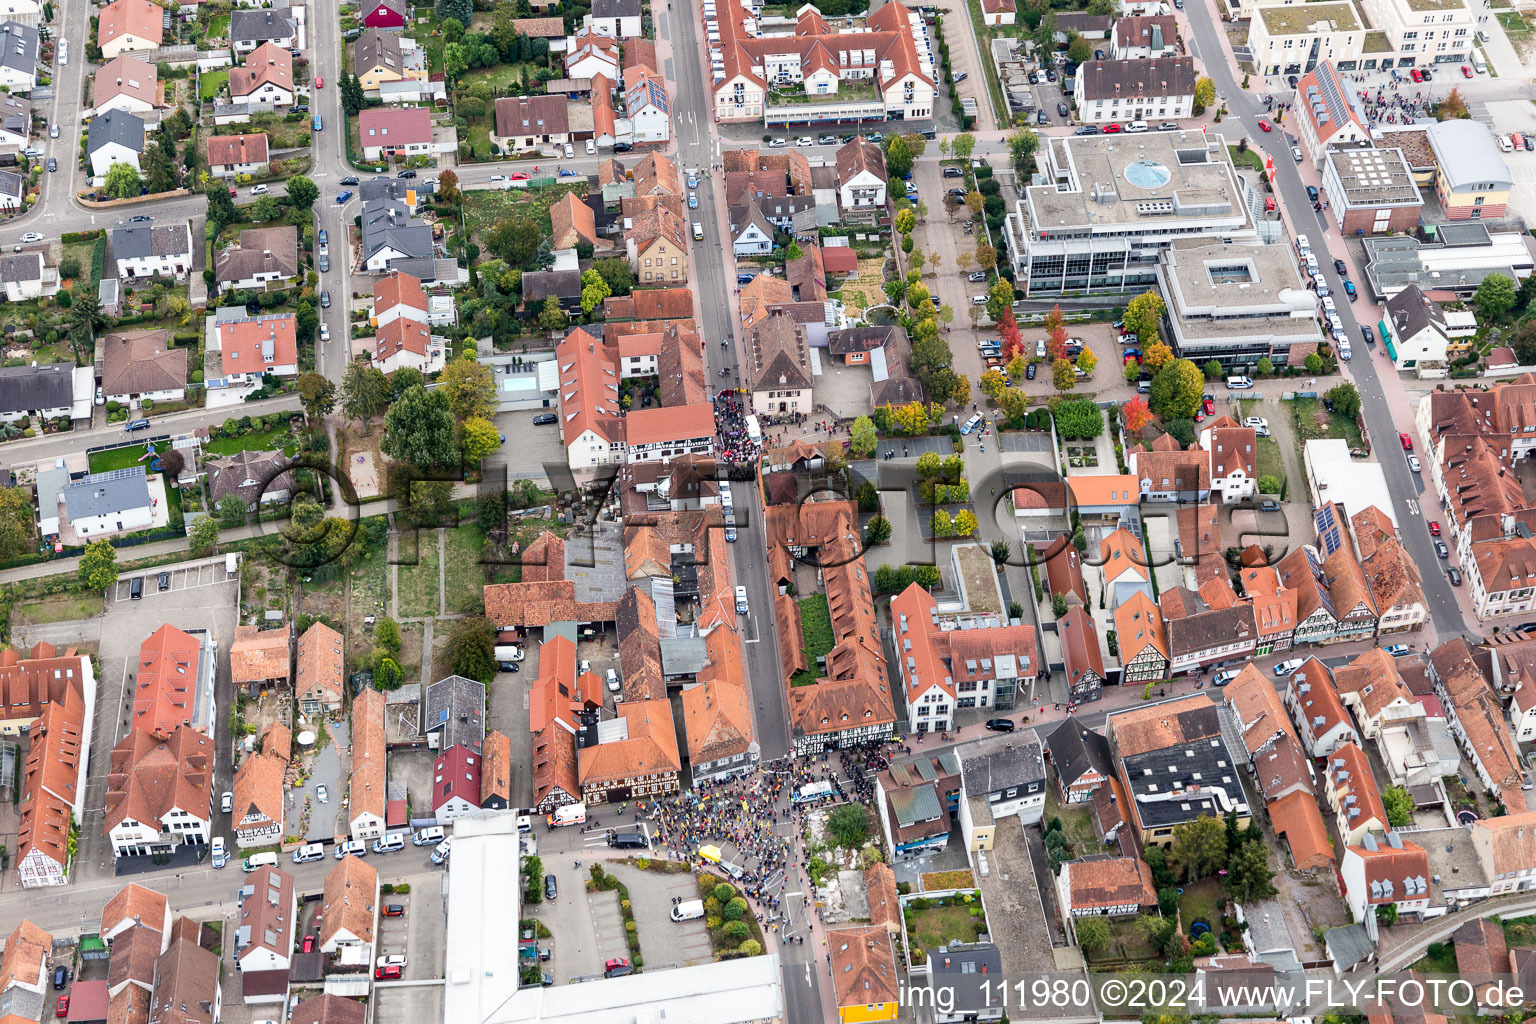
<point>135,906</point>
<point>592,427</point>
<point>263,257</point>
<point>13,190</point>
<point>159,792</point>
<point>318,686</point>
<point>1477,722</point>
<point>275,25</point>
<point>387,14</point>
<point>256,478</point>
<point>667,433</point>
<point>1504,848</point>
<point>1175,765</point>
<point>20,56</point>
<point>173,684</point>
<point>453,714</point>
<point>231,155</point>
<point>186,980</point>
<point>751,233</point>
<point>455,784</point>
<point>1167,472</point>
<point>573,222</point>
<point>1139,633</point>
<point>620,19</point>
<point>717,723</point>
<point>52,788</point>
<point>125,83</point>
<point>1142,38</point>
<point>635,755</point>
<point>398,295</point>
<point>656,241</point>
<point>864,973</point>
<point>1123,563</point>
<point>266,924</point>
<point>1385,871</point>
<point>404,342</point>
<point>1106,886</point>
<point>258,658</point>
<point>116,137</point>
<point>349,909</point>
<point>379,57</point>
<point>1353,605</point>
<point>590,55</point>
<point>251,348</point>
<point>329,1009</point>
<point>24,971</point>
<point>999,12</point>
<point>1352,795</point>
<point>1206,628</point>
<point>781,376</point>
<point>646,105</point>
<point>15,123</point>
<point>496,772</point>
<point>398,132</point>
<point>259,791</point>
<point>367,792</point>
<point>129,26</point>
<point>1274,608</point>
<point>1081,760</point>
<point>1233,461</point>
<point>564,286</point>
<point>1010,777</point>
<point>1370,687</point>
<point>43,392</point>
<point>1302,572</point>
<point>391,235</point>
<point>1081,655</point>
<point>861,181</point>
<point>145,249</point>
<point>915,799</point>
<point>526,123</point>
<point>265,80</point>
<point>1295,817</point>
<point>1117,91</point>
<point>26,276</point>
<point>1315,706</point>
<point>102,504</point>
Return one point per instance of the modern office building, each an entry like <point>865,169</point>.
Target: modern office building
<point>1457,261</point>
<point>1112,203</point>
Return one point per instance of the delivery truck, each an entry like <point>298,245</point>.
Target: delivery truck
<point>567,814</point>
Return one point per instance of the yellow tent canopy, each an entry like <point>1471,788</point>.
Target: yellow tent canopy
<point>710,853</point>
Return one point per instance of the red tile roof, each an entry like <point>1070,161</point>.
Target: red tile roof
<point>395,126</point>
<point>166,686</point>
<point>654,426</point>
<point>245,343</point>
<point>228,150</point>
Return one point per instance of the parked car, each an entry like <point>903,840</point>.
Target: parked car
<point>1000,724</point>
<point>1413,463</point>
<point>976,275</point>
<point>1029,371</point>
<point>309,944</point>
<point>53,164</point>
<point>61,1008</point>
<point>1168,126</point>
<point>60,977</point>
<point>386,974</point>
<point>1434,528</point>
<point>544,419</point>
<point>1441,549</point>
<point>322,794</point>
<point>394,910</point>
<point>1454,574</point>
<point>227,802</point>
<point>351,848</point>
<point>220,858</point>
<point>324,263</point>
<point>551,887</point>
<point>325,300</point>
<point>1288,666</point>
<point>353,180</point>
<point>1269,506</point>
<point>617,968</point>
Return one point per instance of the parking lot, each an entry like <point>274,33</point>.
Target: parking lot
<point>175,579</point>
<point>664,942</point>
<point>587,926</point>
<point>420,936</point>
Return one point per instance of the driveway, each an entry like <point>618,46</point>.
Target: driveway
<point>587,926</point>
<point>323,824</point>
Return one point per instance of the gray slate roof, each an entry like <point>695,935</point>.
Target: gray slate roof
<point>541,284</point>
<point>387,224</point>
<point>615,8</point>
<point>455,707</point>
<point>260,25</point>
<point>24,388</point>
<point>15,115</point>
<point>20,267</point>
<point>970,972</point>
<point>20,48</point>
<point>1005,767</point>
<point>11,184</point>
<point>116,126</point>
<point>132,241</point>
<point>101,494</point>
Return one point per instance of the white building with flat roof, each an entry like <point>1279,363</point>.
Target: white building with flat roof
<point>1333,476</point>
<point>1112,203</point>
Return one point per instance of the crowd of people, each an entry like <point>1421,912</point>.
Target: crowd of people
<point>733,443</point>
<point>742,813</point>
<point>1391,106</point>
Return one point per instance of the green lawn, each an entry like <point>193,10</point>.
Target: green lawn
<point>210,82</point>
<point>484,208</point>
<point>120,458</point>
<point>218,27</point>
<point>81,253</point>
<point>1127,945</point>
<point>1268,459</point>
<point>1514,24</point>
<point>1247,157</point>
<point>1202,901</point>
<point>1439,958</point>
<point>60,608</point>
<point>816,626</point>
<point>499,78</point>
<point>1313,421</point>
<point>255,441</point>
<point>418,583</point>
<point>1076,824</point>
<point>464,573</point>
<point>1520,931</point>
<point>936,926</point>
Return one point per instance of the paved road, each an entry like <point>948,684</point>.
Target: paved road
<point>1406,487</point>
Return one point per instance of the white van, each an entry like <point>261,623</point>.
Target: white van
<point>260,860</point>
<point>1040,349</point>
<point>1239,383</point>
<point>1135,126</point>
<point>390,843</point>
<point>978,300</point>
<point>688,910</point>
<point>429,836</point>
<point>1478,63</point>
<point>698,232</point>
<point>443,849</point>
<point>1505,146</point>
<point>308,852</point>
<point>1302,245</point>
<point>524,824</point>
<point>741,600</point>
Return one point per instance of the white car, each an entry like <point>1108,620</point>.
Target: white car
<point>778,143</point>
<point>1285,668</point>
<point>613,681</point>
<point>325,332</point>
<point>227,802</point>
<point>499,177</point>
<point>1256,422</point>
<point>220,858</point>
<point>259,190</point>
<point>1413,463</point>
<point>805,142</point>
<point>392,960</point>
<point>31,236</point>
<point>591,147</point>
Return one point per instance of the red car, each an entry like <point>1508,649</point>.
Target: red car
<point>234,192</point>
<point>1434,528</point>
<point>386,973</point>
<point>1416,75</point>
<point>319,82</point>
<point>519,175</point>
<point>62,1009</point>
<point>1264,126</point>
<point>1466,72</point>
<point>1199,416</point>
<point>1111,129</point>
<point>1406,441</point>
<point>1210,407</point>
<point>309,943</point>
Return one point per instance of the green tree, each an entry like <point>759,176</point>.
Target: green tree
<point>906,220</point>
<point>1494,297</point>
<point>551,316</point>
<point>387,674</point>
<point>302,192</point>
<point>470,388</point>
<point>593,291</point>
<point>15,522</point>
<point>862,438</point>
<point>1092,932</point>
<point>318,395</point>
<point>1212,369</point>
<point>265,209</point>
<point>1205,93</point>
<point>1022,146</point>
<point>930,364</point>
<point>993,383</point>
<point>1249,877</point>
<point>1079,420</point>
<point>352,98</point>
<point>471,649</point>
<point>929,465</point>
<point>1144,314</point>
<point>306,320</point>
<point>386,635</point>
<point>419,431</point>
<point>1313,363</point>
<point>123,182</point>
<point>999,298</point>
<point>941,524</point>
<point>898,156</point>
<point>1399,805</point>
<point>1269,484</point>
<point>1345,398</point>
<point>98,566</point>
<point>1199,847</point>
<point>231,509</point>
<point>964,523</point>
<point>1079,50</point>
<point>848,826</point>
<point>365,392</point>
<point>203,535</point>
<point>963,145</point>
<point>1063,377</point>
<point>877,531</point>
<point>478,438</point>
<point>1177,390</point>
<point>221,208</point>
